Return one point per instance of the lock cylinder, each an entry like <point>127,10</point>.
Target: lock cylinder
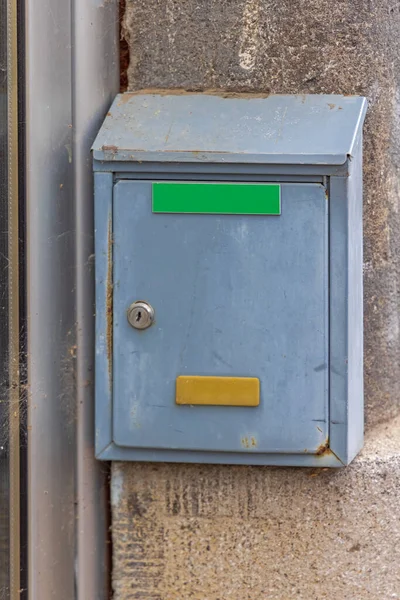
<point>140,315</point>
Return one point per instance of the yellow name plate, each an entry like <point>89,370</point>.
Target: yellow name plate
<point>218,391</point>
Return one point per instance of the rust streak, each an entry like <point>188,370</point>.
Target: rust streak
<point>111,148</point>
<point>323,449</point>
<point>109,301</point>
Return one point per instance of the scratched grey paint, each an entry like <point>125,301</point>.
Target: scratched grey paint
<point>346,300</point>
<point>103,189</point>
<point>338,162</point>
<point>203,128</point>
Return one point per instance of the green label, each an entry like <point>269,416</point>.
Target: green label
<point>217,198</point>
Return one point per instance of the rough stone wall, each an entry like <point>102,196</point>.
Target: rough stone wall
<point>217,532</point>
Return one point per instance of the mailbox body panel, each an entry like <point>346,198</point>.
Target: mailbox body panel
<point>136,415</point>
<point>234,296</point>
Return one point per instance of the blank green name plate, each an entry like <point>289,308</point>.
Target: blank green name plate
<point>217,198</point>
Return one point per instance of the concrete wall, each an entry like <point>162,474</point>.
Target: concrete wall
<point>227,532</point>
<point>249,533</point>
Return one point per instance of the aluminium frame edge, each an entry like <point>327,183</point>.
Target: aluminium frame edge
<point>66,100</point>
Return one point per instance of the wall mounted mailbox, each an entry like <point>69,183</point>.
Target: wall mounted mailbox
<point>229,306</point>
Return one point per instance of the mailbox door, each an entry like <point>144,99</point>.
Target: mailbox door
<point>234,295</point>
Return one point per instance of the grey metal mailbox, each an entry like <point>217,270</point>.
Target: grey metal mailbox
<point>229,307</point>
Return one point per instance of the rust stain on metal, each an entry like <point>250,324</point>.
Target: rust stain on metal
<point>247,442</point>
<point>111,148</point>
<point>109,301</point>
<point>323,449</point>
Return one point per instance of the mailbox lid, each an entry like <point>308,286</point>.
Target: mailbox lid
<point>199,128</point>
<point>234,296</point>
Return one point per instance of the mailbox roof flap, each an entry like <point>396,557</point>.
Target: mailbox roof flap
<point>230,128</point>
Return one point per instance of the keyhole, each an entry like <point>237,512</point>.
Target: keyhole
<point>140,314</point>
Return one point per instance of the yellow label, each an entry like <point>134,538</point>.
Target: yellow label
<point>218,391</point>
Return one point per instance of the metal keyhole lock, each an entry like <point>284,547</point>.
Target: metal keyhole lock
<point>140,314</point>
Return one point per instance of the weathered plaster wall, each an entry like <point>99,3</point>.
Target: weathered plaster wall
<point>251,533</point>
<point>217,532</point>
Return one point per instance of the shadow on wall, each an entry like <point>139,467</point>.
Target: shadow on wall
<point>123,49</point>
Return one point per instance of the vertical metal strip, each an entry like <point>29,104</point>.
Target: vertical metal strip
<point>13,303</point>
<point>95,81</point>
<point>51,306</point>
<point>72,75</point>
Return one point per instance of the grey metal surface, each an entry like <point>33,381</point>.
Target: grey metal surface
<point>234,296</point>
<point>103,191</point>
<point>306,129</point>
<point>172,170</point>
<point>346,299</point>
<point>121,453</point>
<point>105,446</point>
<point>95,82</point>
<point>51,301</point>
<point>117,430</point>
<point>71,72</point>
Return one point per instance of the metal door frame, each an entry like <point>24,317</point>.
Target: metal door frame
<point>72,75</point>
